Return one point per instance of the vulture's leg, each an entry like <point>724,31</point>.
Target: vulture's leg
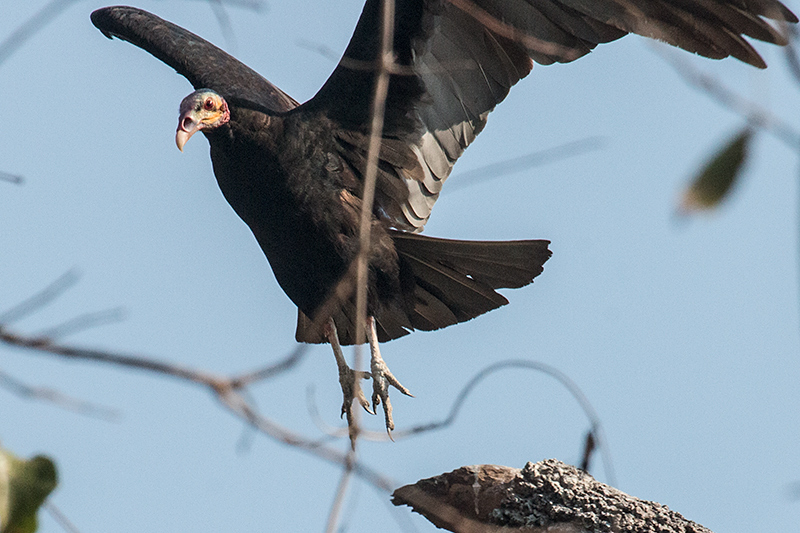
<point>348,380</point>
<point>382,377</point>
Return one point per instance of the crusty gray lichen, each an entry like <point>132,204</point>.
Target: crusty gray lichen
<point>551,492</point>
<point>545,497</point>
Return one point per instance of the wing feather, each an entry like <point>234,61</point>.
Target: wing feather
<point>200,62</point>
<point>465,55</point>
<point>457,60</point>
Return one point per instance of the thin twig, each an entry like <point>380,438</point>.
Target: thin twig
<point>792,58</point>
<point>54,8</point>
<point>45,345</point>
<point>294,357</point>
<point>365,231</point>
<point>755,114</point>
<point>224,22</point>
<point>31,27</point>
<point>83,322</point>
<point>253,5</point>
<point>569,384</point>
<point>42,298</point>
<point>340,495</point>
<point>234,401</point>
<point>370,177</point>
<point>60,517</point>
<point>11,178</point>
<point>57,398</point>
<point>322,49</point>
<point>588,451</point>
<point>509,166</point>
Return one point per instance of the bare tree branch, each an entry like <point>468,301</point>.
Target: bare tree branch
<point>45,345</point>
<point>274,369</point>
<point>544,497</point>
<point>227,391</point>
<point>234,401</point>
<point>569,384</point>
<point>594,438</point>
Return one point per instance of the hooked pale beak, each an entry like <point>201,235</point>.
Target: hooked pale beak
<point>188,125</point>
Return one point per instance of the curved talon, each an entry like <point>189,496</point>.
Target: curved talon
<point>382,378</point>
<point>349,380</point>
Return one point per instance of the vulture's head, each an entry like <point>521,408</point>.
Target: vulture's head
<point>202,110</point>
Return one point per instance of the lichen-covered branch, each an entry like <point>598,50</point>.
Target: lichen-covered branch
<point>548,496</point>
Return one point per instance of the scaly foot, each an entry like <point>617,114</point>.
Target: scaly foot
<point>382,378</point>
<point>350,381</point>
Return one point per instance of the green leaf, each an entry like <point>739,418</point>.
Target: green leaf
<point>716,179</point>
<point>24,485</point>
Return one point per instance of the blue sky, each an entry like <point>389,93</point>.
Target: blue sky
<point>683,334</point>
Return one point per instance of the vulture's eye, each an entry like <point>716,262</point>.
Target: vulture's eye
<point>208,105</point>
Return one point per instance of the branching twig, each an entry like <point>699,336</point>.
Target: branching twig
<point>227,391</point>
<point>596,432</point>
<point>272,370</point>
<point>562,378</point>
<point>45,345</point>
<point>234,401</point>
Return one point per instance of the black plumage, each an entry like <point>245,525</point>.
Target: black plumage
<point>294,173</point>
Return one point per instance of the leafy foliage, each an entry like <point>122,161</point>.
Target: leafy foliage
<point>24,485</point>
<point>716,179</point>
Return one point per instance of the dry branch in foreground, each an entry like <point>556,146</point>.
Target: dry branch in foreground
<point>548,496</point>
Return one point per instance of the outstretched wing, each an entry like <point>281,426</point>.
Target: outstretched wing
<point>202,63</point>
<point>459,58</point>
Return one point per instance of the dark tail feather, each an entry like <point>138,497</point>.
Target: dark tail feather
<point>455,280</point>
<point>444,282</point>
